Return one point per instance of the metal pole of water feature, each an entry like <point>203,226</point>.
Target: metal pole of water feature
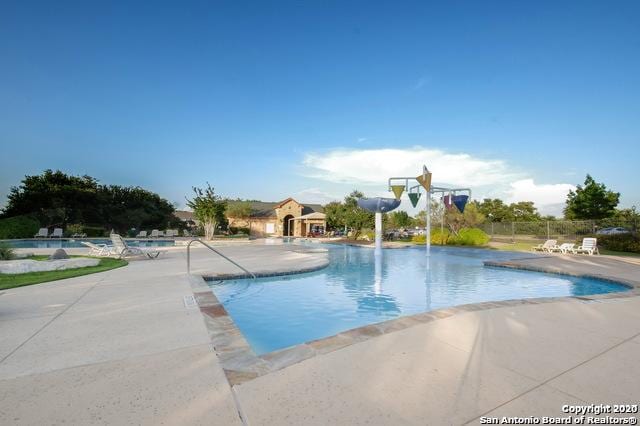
<point>428,230</point>
<point>378,249</point>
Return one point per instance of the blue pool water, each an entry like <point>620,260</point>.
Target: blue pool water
<point>355,290</point>
<point>75,243</point>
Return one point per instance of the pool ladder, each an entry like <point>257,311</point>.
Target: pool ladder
<point>215,251</point>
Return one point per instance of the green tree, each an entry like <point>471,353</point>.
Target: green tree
<point>456,221</point>
<point>591,201</point>
<point>399,219</point>
<point>58,199</point>
<point>240,210</point>
<point>496,210</point>
<point>335,215</point>
<point>208,208</point>
<point>356,217</point>
<point>524,211</point>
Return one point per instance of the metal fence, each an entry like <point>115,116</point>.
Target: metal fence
<point>565,230</point>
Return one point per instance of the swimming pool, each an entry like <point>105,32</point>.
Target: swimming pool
<point>75,243</point>
<point>357,289</point>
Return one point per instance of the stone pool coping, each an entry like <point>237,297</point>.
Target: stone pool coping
<point>241,364</point>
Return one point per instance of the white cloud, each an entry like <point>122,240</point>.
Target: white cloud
<point>369,169</point>
<point>374,166</point>
<point>315,195</point>
<point>549,198</point>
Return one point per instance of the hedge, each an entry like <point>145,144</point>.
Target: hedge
<point>18,227</point>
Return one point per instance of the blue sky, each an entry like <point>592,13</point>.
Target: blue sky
<point>311,99</point>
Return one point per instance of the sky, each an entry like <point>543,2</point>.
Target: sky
<point>266,100</point>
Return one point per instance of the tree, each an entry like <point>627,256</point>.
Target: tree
<point>524,211</point>
<point>356,217</point>
<point>471,217</point>
<point>335,215</point>
<point>496,210</point>
<point>591,201</point>
<point>208,208</point>
<point>58,199</point>
<point>399,219</point>
<point>240,210</point>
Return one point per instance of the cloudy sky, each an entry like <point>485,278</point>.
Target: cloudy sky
<point>313,99</point>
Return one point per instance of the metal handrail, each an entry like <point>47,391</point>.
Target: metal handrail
<point>215,251</point>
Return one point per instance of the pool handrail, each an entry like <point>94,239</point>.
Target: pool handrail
<point>215,251</point>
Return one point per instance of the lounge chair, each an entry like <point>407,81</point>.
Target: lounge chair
<point>98,249</point>
<point>42,233</point>
<point>121,249</point>
<point>589,246</point>
<point>168,233</point>
<point>186,233</point>
<point>155,234</point>
<point>142,234</point>
<point>548,245</point>
<point>172,233</point>
<point>562,248</point>
<point>57,233</point>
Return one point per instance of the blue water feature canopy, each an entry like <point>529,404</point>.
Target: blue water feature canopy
<point>378,204</point>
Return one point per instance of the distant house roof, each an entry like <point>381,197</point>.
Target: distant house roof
<point>261,209</point>
<point>183,215</point>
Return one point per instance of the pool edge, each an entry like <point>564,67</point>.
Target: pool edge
<point>241,364</point>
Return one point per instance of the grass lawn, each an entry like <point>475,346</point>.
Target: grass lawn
<point>18,280</point>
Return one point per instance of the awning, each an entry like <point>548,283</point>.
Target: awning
<point>314,215</point>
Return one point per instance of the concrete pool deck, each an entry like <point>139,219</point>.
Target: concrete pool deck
<point>129,346</point>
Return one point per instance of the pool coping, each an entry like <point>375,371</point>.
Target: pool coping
<point>241,364</point>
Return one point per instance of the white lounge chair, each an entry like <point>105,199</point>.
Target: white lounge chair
<point>57,233</point>
<point>562,248</point>
<point>121,249</point>
<point>154,234</point>
<point>98,249</point>
<point>42,233</point>
<point>171,233</point>
<point>142,234</point>
<point>186,233</point>
<point>547,246</point>
<point>589,246</point>
<point>161,234</point>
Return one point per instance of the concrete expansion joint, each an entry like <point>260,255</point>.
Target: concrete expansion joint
<point>547,381</point>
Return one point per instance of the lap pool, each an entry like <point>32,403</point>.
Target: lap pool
<point>357,289</point>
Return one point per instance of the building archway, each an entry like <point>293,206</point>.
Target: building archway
<point>286,231</point>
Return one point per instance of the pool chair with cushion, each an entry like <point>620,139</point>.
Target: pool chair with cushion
<point>562,248</point>
<point>547,246</point>
<point>142,234</point>
<point>154,233</point>
<point>98,249</point>
<point>121,249</point>
<point>57,233</point>
<point>589,246</point>
<point>42,233</point>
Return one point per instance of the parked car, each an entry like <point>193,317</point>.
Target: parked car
<point>612,231</point>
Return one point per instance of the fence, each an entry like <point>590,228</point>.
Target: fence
<point>564,230</point>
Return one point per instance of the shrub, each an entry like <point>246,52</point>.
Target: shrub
<point>439,237</point>
<point>239,230</point>
<point>6,252</point>
<point>94,231</point>
<point>619,242</point>
<point>367,235</point>
<point>73,228</point>
<point>470,237</point>
<point>420,239</point>
<point>18,227</point>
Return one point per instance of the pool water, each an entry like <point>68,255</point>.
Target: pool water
<point>75,243</point>
<point>357,289</point>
